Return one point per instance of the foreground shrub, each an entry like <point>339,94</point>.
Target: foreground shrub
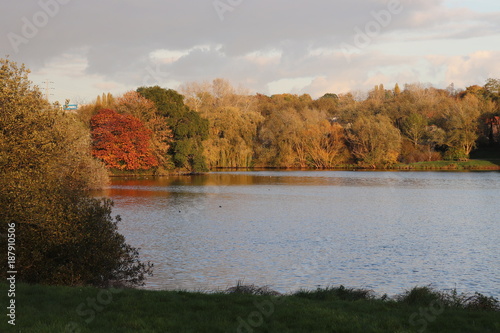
<point>63,235</point>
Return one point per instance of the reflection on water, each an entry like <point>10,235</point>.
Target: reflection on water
<point>387,231</point>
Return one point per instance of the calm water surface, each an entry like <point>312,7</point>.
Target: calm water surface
<point>386,231</point>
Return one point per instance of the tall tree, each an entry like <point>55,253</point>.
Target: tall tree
<point>188,127</point>
<point>397,90</point>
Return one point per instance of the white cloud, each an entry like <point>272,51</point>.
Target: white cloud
<point>264,58</point>
<point>293,85</point>
<point>167,56</point>
<point>471,69</point>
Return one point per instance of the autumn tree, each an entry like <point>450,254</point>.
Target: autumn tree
<point>231,139</point>
<point>68,237</point>
<point>327,103</point>
<point>414,128</point>
<point>418,113</point>
<point>378,93</point>
<point>87,110</point>
<point>105,101</point>
<point>134,104</point>
<point>296,134</point>
<point>233,122</point>
<point>397,90</point>
<point>121,141</point>
<point>324,144</point>
<point>375,141</point>
<point>462,127</point>
<point>280,140</point>
<point>348,108</point>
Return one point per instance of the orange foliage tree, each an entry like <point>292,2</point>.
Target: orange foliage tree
<point>121,141</point>
<point>133,103</point>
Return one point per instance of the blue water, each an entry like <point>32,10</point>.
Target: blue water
<point>386,231</point>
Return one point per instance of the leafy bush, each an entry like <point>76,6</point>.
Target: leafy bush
<point>455,154</point>
<point>63,235</point>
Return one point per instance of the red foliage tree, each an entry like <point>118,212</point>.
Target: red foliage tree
<point>121,141</point>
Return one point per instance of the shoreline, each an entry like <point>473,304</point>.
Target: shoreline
<point>469,165</point>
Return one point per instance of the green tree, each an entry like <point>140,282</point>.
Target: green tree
<point>328,103</point>
<point>492,88</point>
<point>189,129</point>
<point>63,234</point>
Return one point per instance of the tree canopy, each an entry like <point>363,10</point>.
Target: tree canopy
<point>121,141</point>
<point>189,129</point>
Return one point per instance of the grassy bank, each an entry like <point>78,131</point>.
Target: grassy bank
<point>492,164</point>
<point>471,164</point>
<point>246,309</point>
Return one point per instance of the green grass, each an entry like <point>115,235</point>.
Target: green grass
<point>491,164</point>
<point>485,158</point>
<point>246,309</point>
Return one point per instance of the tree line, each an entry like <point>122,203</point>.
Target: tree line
<point>212,125</point>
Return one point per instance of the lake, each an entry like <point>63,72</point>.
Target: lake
<point>385,231</point>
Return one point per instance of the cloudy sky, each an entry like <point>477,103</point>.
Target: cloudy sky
<point>85,48</point>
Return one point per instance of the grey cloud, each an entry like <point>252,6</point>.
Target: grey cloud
<point>117,36</point>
